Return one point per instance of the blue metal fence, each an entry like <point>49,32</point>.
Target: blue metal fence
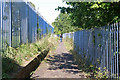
<point>0,26</point>
<point>6,20</point>
<point>32,25</point>
<point>19,23</point>
<point>101,47</point>
<point>69,35</point>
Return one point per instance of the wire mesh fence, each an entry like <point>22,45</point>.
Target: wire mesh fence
<point>21,23</point>
<point>101,47</point>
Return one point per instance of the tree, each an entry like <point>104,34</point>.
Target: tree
<point>92,14</point>
<point>62,24</point>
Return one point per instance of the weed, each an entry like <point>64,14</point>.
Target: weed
<point>84,64</point>
<point>12,58</point>
<point>68,42</point>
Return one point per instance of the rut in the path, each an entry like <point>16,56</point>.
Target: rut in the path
<point>58,65</point>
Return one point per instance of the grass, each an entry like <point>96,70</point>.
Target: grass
<point>90,70</point>
<point>68,42</point>
<point>14,58</point>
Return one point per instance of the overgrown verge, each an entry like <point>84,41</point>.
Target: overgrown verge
<point>91,70</point>
<point>14,58</point>
<point>68,42</point>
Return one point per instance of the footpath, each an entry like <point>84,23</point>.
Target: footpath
<point>59,64</point>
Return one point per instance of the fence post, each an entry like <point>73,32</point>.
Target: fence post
<point>110,52</point>
<point>115,47</point>
<point>118,50</point>
<point>107,55</point>
<point>0,25</point>
<point>103,47</point>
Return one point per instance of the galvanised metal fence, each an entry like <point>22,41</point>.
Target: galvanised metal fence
<point>69,35</point>
<point>100,47</point>
<point>21,23</point>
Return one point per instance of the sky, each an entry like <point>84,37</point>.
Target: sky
<point>47,8</point>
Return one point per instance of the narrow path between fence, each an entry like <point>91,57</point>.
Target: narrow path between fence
<point>60,64</point>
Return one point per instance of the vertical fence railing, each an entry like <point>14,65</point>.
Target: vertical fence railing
<point>102,46</point>
<point>19,23</point>
<point>0,40</point>
<point>118,50</point>
<point>5,27</point>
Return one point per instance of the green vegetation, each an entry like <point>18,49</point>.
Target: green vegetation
<point>88,15</point>
<point>33,5</point>
<point>62,24</point>
<point>38,33</point>
<point>91,70</point>
<point>68,42</point>
<point>14,58</point>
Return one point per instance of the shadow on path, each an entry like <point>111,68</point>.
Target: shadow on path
<point>63,61</point>
<point>59,64</point>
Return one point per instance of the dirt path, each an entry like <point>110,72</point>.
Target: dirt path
<point>58,65</point>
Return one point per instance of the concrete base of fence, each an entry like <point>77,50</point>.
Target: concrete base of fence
<point>32,66</point>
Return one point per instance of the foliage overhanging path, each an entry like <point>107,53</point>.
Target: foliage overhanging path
<point>59,64</point>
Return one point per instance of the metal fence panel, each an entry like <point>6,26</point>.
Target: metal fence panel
<point>100,47</point>
<point>24,22</point>
<point>44,28</point>
<point>0,26</point>
<point>16,24</point>
<point>0,41</point>
<point>6,24</point>
<point>41,24</point>
<point>32,25</point>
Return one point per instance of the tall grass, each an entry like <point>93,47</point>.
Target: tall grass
<point>91,70</point>
<point>68,42</point>
<point>13,58</point>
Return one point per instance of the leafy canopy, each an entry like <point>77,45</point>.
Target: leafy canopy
<point>62,24</point>
<point>92,14</point>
